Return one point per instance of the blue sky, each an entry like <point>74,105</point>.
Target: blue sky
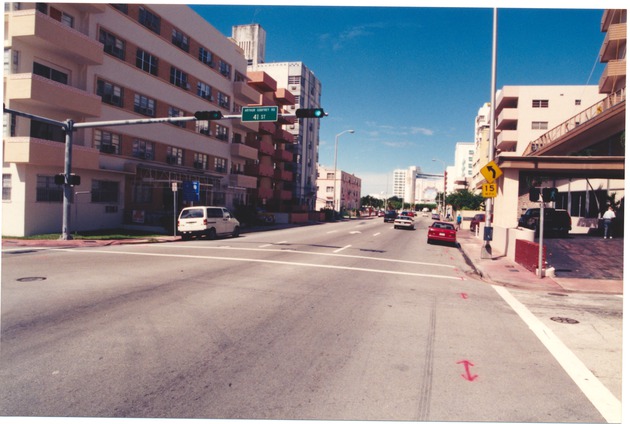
<point>410,80</point>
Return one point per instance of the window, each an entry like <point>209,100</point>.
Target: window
<point>205,56</point>
<point>112,45</point>
<point>104,191</point>
<point>142,193</point>
<point>109,92</point>
<point>175,112</point>
<point>147,62</point>
<point>50,73</point>
<point>539,125</point>
<point>220,164</point>
<point>225,69</point>
<point>223,133</point>
<point>330,176</point>
<point>223,100</point>
<point>202,127</point>
<point>179,78</point>
<point>144,105</point>
<point>6,187</point>
<point>180,40</point>
<point>540,103</point>
<point>295,79</point>
<point>47,190</point>
<point>174,155</point>
<point>47,131</point>
<point>200,161</point>
<point>107,142</point>
<point>578,102</point>
<point>143,149</point>
<point>204,91</point>
<point>149,20</point>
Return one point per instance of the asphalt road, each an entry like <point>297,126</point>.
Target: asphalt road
<point>339,321</point>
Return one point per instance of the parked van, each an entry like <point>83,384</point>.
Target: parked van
<point>211,221</point>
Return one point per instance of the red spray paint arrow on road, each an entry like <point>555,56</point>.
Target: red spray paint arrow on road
<point>467,365</point>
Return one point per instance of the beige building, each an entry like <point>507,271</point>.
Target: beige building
<point>102,62</point>
<point>568,137</point>
<point>339,192</point>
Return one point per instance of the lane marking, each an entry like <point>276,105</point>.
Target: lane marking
<point>341,249</point>
<point>376,234</point>
<point>599,395</point>
<point>330,232</point>
<point>262,261</point>
<point>252,249</point>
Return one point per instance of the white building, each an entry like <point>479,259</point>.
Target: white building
<point>306,88</point>
<point>463,167</point>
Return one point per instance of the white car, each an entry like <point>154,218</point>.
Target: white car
<point>211,221</point>
<point>404,222</point>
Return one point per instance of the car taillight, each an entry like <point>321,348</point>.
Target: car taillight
<point>205,222</point>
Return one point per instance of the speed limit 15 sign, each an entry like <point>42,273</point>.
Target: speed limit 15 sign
<point>489,190</point>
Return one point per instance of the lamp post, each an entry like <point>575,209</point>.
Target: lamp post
<point>444,193</point>
<point>335,177</point>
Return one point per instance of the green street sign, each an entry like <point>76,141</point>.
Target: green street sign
<point>259,114</point>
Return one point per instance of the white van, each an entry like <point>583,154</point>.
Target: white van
<point>211,221</point>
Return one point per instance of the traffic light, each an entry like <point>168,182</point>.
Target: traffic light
<point>208,115</point>
<point>534,194</point>
<point>310,113</point>
<point>73,180</point>
<point>549,194</point>
<point>60,179</point>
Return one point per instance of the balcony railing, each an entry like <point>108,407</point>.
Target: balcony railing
<point>572,123</point>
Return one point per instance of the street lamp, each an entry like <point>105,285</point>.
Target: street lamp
<point>335,177</point>
<point>443,194</point>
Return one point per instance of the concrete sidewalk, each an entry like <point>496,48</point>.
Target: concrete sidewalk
<point>503,271</point>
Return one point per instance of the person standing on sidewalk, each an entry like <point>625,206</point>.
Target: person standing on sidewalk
<point>609,215</point>
<point>459,221</point>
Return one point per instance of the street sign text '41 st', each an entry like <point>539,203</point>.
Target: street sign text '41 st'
<point>259,114</point>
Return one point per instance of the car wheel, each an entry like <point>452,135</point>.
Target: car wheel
<point>212,234</point>
<point>236,232</point>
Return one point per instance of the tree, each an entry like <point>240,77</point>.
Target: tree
<point>369,201</point>
<point>465,200</point>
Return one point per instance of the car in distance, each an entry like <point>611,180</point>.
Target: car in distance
<point>390,216</point>
<point>209,221</point>
<point>557,221</point>
<point>404,221</point>
<point>442,232</point>
<point>476,220</point>
<point>435,216</point>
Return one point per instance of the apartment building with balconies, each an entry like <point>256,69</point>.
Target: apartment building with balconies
<point>100,63</point>
<point>301,82</point>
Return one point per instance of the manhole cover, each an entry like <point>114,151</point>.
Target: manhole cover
<point>564,320</point>
<point>30,279</point>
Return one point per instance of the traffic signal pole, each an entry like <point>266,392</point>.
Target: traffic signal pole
<point>69,126</point>
<point>486,250</point>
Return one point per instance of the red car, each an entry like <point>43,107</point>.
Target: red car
<point>442,231</point>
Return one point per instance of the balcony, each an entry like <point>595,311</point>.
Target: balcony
<point>267,128</point>
<point>245,126</point>
<point>507,140</point>
<point>614,43</point>
<point>284,97</point>
<point>282,195</point>
<point>243,181</point>
<point>262,82</point>
<point>281,174</point>
<point>285,136</point>
<point>507,119</point>
<point>259,170</point>
<point>264,193</point>
<point>283,155</point>
<point>42,32</point>
<point>36,151</point>
<point>34,90</point>
<point>614,77</point>
<point>245,93</point>
<point>507,98</point>
<point>243,151</point>
<point>262,146</point>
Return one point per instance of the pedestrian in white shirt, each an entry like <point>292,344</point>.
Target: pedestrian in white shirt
<point>609,215</point>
